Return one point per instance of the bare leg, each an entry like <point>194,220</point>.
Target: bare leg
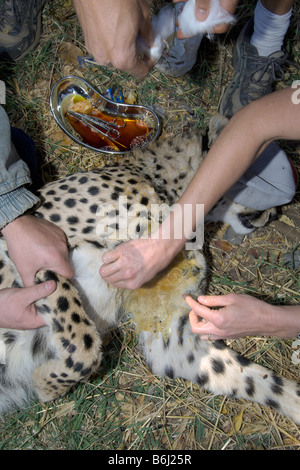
<point>279,7</point>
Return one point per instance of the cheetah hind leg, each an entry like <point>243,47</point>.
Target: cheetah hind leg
<point>219,369</point>
<point>74,337</point>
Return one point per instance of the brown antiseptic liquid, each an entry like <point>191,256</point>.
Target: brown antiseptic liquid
<point>133,135</point>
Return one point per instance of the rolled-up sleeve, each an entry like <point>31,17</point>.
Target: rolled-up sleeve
<point>15,198</point>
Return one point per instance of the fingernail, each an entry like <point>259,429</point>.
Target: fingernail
<point>49,285</point>
<point>201,14</point>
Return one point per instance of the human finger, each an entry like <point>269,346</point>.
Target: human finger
<point>112,255</point>
<point>202,8</point>
<point>204,329</point>
<point>32,319</point>
<point>198,309</point>
<point>40,291</point>
<point>60,266</point>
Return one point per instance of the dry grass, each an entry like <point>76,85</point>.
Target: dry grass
<point>127,407</point>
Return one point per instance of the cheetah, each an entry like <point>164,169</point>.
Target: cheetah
<point>46,363</point>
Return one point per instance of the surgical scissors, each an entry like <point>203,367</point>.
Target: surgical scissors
<point>111,127</point>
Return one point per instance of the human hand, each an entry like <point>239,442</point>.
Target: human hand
<point>230,316</point>
<point>112,31</point>
<point>133,263</point>
<point>202,8</point>
<point>17,309</point>
<point>35,244</point>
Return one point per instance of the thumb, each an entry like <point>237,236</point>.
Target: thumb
<point>214,300</point>
<point>40,291</point>
<point>65,269</point>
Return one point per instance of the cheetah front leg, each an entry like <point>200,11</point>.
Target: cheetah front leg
<point>74,337</point>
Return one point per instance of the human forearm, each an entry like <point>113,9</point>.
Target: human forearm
<point>240,143</point>
<point>285,321</point>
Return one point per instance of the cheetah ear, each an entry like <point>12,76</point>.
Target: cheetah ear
<point>216,125</point>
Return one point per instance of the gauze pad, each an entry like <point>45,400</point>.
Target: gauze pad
<point>190,26</point>
<point>164,29</point>
<point>164,24</point>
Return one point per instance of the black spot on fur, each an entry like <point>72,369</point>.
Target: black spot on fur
<point>55,218</point>
<point>93,190</point>
<point>43,309</point>
<point>73,220</point>
<point>38,343</point>
<point>202,379</point>
<point>219,345</point>
<point>95,243</point>
<point>70,203</point>
<point>93,208</point>
<point>88,341</point>
<point>78,366</point>
<point>57,326</point>
<point>190,358</point>
<point>82,180</point>
<point>75,317</point>
<point>250,386</point>
<point>181,325</point>
<point>50,276</point>
<point>87,229</point>
<point>218,366</point>
<point>144,201</point>
<point>106,177</point>
<point>48,205</point>
<point>63,304</point>
<point>69,362</point>
<point>246,218</point>
<point>277,386</point>
<point>272,403</point>
<point>77,301</point>
<point>169,371</point>
<point>65,342</point>
<point>86,372</point>
<point>243,361</point>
